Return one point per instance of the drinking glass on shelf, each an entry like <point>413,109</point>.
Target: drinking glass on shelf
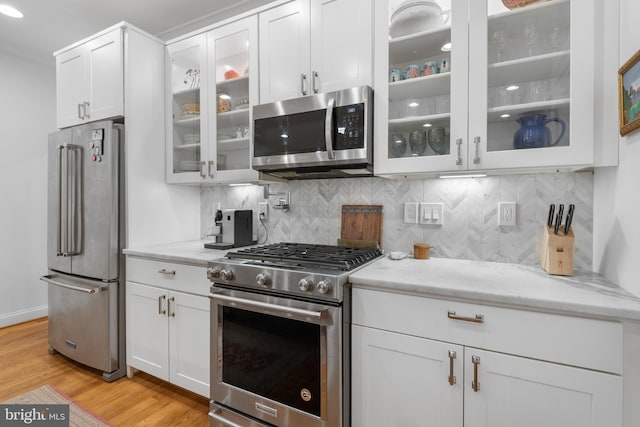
<point>443,104</point>
<point>538,90</point>
<point>530,37</point>
<point>554,39</point>
<point>499,42</point>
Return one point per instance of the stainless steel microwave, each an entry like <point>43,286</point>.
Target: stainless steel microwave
<point>319,136</point>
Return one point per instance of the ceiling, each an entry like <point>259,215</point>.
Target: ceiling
<point>50,25</point>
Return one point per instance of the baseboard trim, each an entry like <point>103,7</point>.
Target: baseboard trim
<point>25,315</point>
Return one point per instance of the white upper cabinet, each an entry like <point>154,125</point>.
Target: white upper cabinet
<point>89,80</point>
<point>312,46</point>
<point>212,85</point>
<point>503,97</point>
<point>187,110</point>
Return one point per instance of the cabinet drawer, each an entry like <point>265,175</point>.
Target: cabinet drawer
<point>589,343</point>
<point>169,275</point>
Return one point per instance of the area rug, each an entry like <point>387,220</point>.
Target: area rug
<point>78,417</point>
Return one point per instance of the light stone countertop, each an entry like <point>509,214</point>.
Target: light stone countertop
<point>519,286</point>
<point>190,252</point>
<point>514,285</point>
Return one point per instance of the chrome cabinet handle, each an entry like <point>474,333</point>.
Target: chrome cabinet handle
<point>314,81</point>
<point>459,149</point>
<point>167,272</point>
<point>203,165</point>
<point>303,84</point>
<point>328,128</point>
<point>452,378</point>
<point>478,319</point>
<point>160,309</point>
<point>87,110</point>
<point>210,168</point>
<point>476,159</point>
<point>223,420</point>
<point>171,313</point>
<point>475,384</point>
<point>80,115</point>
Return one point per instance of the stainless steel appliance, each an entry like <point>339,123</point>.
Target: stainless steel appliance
<point>319,136</point>
<point>85,237</point>
<point>280,335</point>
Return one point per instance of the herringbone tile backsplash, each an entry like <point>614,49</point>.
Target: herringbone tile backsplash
<point>470,229</point>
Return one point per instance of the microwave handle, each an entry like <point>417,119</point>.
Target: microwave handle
<point>328,128</point>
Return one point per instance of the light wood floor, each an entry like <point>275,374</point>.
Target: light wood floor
<point>143,400</point>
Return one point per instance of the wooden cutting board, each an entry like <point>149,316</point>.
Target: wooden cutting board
<point>361,226</point>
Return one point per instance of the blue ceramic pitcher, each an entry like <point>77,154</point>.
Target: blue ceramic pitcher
<point>533,132</point>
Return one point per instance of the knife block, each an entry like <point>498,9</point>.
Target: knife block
<point>556,256</point>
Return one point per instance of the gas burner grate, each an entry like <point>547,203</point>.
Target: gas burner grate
<point>326,256</point>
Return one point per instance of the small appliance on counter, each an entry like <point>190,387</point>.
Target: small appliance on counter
<point>237,229</point>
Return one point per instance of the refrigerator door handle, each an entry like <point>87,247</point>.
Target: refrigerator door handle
<point>74,202</point>
<point>59,251</point>
<point>89,290</point>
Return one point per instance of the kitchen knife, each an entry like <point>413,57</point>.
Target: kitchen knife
<point>557,226</point>
<point>560,212</point>
<point>552,209</point>
<point>567,222</point>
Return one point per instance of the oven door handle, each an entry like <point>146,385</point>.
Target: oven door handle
<point>287,311</point>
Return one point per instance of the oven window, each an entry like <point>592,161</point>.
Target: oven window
<point>290,134</point>
<point>272,357</point>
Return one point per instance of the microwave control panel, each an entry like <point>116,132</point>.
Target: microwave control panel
<point>349,127</point>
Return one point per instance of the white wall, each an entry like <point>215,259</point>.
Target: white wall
<point>27,116</point>
<point>617,195</point>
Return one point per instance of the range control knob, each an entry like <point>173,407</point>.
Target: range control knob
<point>226,274</point>
<point>305,284</point>
<point>324,287</point>
<point>263,279</point>
<point>213,272</point>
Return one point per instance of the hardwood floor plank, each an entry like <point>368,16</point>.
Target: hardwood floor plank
<point>141,401</point>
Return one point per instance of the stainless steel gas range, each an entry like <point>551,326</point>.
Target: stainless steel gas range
<point>280,335</point>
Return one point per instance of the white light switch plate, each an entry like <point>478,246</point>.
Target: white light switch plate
<point>411,212</point>
<point>431,213</point>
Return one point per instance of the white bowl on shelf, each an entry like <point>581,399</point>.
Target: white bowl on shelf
<point>413,17</point>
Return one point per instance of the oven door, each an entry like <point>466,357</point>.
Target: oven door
<point>279,360</point>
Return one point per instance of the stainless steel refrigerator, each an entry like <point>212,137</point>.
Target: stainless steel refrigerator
<point>85,237</point>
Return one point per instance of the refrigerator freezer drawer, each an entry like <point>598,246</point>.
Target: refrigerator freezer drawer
<point>83,322</point>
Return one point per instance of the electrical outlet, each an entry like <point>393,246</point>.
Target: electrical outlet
<point>411,212</point>
<point>507,214</point>
<point>263,210</point>
<point>431,213</point>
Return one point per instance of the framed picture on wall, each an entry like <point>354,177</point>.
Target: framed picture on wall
<point>629,95</point>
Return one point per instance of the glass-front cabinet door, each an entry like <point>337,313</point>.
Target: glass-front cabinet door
<point>426,86</point>
<point>187,112</point>
<point>524,55</point>
<point>486,85</point>
<point>233,90</point>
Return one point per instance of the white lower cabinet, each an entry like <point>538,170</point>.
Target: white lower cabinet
<point>401,380</point>
<point>405,378</point>
<point>168,330</point>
